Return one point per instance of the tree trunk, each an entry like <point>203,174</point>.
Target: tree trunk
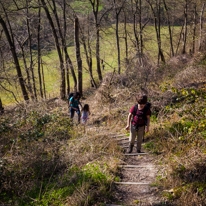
<point>169,26</point>
<point>134,29</point>
<point>16,61</point>
<point>39,51</point>
<point>42,70</point>
<point>159,32</point>
<point>194,29</point>
<point>117,38</point>
<point>78,54</point>
<point>95,8</point>
<point>66,56</point>
<point>29,87</point>
<point>62,86</point>
<point>1,107</point>
<point>64,46</point>
<point>179,39</point>
<point>140,28</point>
<point>201,25</point>
<point>98,55</point>
<point>185,27</point>
<point>30,51</point>
<point>88,56</point>
<point>125,31</point>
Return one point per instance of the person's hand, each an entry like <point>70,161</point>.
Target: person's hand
<point>146,130</point>
<point>76,109</point>
<point>127,127</point>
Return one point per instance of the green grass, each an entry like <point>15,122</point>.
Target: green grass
<point>108,52</point>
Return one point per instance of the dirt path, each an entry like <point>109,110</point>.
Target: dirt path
<point>137,174</point>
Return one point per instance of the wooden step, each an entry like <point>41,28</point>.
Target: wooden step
<point>112,205</point>
<point>132,183</point>
<point>122,138</point>
<point>135,154</point>
<point>136,166</point>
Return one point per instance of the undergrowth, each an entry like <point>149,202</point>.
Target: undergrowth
<point>47,160</point>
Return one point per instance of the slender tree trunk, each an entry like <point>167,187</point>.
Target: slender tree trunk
<point>44,86</point>
<point>64,46</point>
<point>140,28</point>
<point>30,51</point>
<point>185,31</point>
<point>16,61</point>
<point>62,86</point>
<point>1,107</point>
<point>169,26</point>
<point>134,29</point>
<point>29,87</point>
<point>159,32</point>
<point>98,54</point>
<point>194,29</point>
<point>117,38</point>
<point>78,54</point>
<point>39,51</point>
<point>95,8</point>
<point>179,39</point>
<point>201,25</point>
<point>125,31</point>
<point>88,56</point>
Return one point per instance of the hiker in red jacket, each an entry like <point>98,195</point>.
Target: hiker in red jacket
<point>140,122</point>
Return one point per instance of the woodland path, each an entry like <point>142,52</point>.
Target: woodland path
<point>137,173</point>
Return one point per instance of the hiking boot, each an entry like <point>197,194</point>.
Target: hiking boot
<point>130,148</point>
<point>137,150</point>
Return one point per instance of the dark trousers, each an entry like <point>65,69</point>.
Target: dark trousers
<point>78,113</point>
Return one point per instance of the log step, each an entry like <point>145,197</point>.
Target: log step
<point>136,154</point>
<point>132,183</point>
<point>136,166</point>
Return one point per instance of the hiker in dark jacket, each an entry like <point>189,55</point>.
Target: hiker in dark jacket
<point>74,102</point>
<point>141,117</point>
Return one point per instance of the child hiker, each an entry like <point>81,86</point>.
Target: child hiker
<point>141,117</point>
<point>85,113</point>
<point>74,105</point>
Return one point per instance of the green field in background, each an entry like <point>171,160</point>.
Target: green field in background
<point>108,52</point>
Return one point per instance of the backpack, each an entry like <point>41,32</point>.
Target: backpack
<point>70,96</point>
<point>146,108</point>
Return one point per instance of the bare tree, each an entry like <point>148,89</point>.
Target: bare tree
<point>169,27</point>
<point>30,46</point>
<point>194,28</point>
<point>63,40</point>
<point>88,52</point>
<point>118,6</point>
<point>1,107</point>
<point>78,54</point>
<point>39,50</point>
<point>185,27</point>
<point>156,14</point>
<point>125,38</point>
<point>95,8</point>
<point>11,43</point>
<point>61,61</point>
<point>201,25</point>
